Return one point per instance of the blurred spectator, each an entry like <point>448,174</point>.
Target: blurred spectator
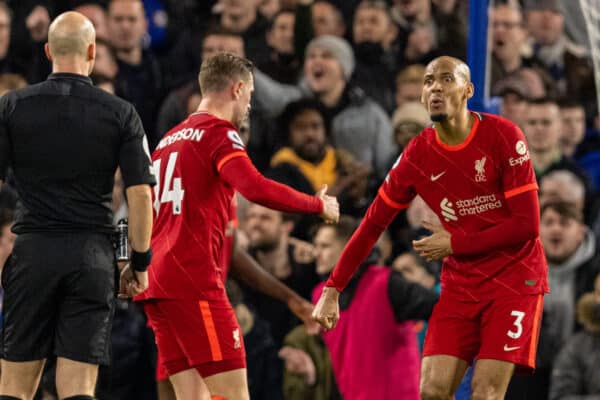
<point>573,263</point>
<point>308,372</point>
<point>515,90</point>
<point>575,24</point>
<point>542,128</point>
<point>269,232</point>
<point>373,33</point>
<point>566,62</point>
<point>10,82</point>
<point>175,108</point>
<point>408,121</point>
<point>562,185</point>
<point>9,62</point>
<point>307,162</point>
<point>106,60</point>
<point>242,16</point>
<point>327,19</point>
<point>573,126</point>
<point>447,30</point>
<point>390,368</point>
<point>139,79</point>
<point>576,372</point>
<point>268,8</point>
<point>409,84</point>
<point>97,14</point>
<point>130,375</point>
<point>416,269</point>
<point>282,65</point>
<point>262,364</point>
<point>359,125</point>
<point>508,38</point>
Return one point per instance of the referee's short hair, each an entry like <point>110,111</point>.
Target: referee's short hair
<point>222,70</point>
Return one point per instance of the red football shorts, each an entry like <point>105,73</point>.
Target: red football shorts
<point>189,334</point>
<point>504,329</point>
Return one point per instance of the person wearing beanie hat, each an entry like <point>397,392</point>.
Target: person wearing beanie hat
<point>339,49</point>
<point>407,121</point>
<point>358,124</point>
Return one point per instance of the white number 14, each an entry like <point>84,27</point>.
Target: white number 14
<point>174,194</point>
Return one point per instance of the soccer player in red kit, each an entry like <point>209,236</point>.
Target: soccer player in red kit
<point>198,164</point>
<point>474,171</point>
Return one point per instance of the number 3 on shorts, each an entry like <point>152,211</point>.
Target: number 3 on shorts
<point>519,315</point>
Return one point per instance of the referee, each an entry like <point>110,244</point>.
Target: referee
<point>64,139</point>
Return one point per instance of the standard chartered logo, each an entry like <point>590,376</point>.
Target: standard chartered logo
<point>465,207</point>
<point>447,211</point>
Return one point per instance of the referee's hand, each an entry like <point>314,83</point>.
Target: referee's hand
<point>132,282</point>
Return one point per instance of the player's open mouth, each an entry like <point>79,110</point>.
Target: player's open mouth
<point>499,43</point>
<point>436,102</point>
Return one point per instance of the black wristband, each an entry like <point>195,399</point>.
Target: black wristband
<point>140,261</point>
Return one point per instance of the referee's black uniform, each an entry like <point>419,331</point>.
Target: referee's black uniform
<point>64,139</point>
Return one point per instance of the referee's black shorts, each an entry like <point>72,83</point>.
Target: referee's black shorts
<point>59,293</point>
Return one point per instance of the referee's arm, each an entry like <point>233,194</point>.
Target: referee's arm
<point>139,198</point>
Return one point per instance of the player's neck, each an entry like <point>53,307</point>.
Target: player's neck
<point>217,107</point>
<point>454,131</point>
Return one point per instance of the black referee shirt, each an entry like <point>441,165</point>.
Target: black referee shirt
<point>64,139</point>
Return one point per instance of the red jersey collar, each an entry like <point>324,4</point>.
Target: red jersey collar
<point>465,143</point>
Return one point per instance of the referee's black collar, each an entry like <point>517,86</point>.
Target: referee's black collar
<point>67,75</point>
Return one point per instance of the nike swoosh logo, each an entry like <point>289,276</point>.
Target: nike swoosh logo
<point>436,177</point>
<point>506,348</point>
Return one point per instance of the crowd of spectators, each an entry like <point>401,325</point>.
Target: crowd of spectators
<point>337,98</point>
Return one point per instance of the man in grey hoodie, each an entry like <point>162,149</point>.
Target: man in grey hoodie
<point>573,263</point>
<point>358,124</point>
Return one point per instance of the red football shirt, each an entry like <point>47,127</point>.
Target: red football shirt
<point>192,207</point>
<point>467,186</point>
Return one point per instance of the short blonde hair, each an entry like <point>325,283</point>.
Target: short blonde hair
<point>221,70</point>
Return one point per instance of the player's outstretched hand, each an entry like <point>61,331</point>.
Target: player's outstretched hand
<point>437,246</point>
<point>327,310</point>
<point>303,310</point>
<point>132,282</point>
<point>331,208</point>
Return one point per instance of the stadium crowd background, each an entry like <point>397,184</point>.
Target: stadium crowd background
<point>337,90</point>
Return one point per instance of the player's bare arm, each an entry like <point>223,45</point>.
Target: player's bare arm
<point>246,269</point>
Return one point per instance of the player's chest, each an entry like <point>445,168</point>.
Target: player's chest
<point>474,170</point>
<point>460,183</point>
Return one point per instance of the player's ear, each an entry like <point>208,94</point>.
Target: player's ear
<point>470,90</point>
<point>47,51</point>
<point>237,89</point>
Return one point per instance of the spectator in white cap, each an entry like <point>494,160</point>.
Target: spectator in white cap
<point>358,124</point>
